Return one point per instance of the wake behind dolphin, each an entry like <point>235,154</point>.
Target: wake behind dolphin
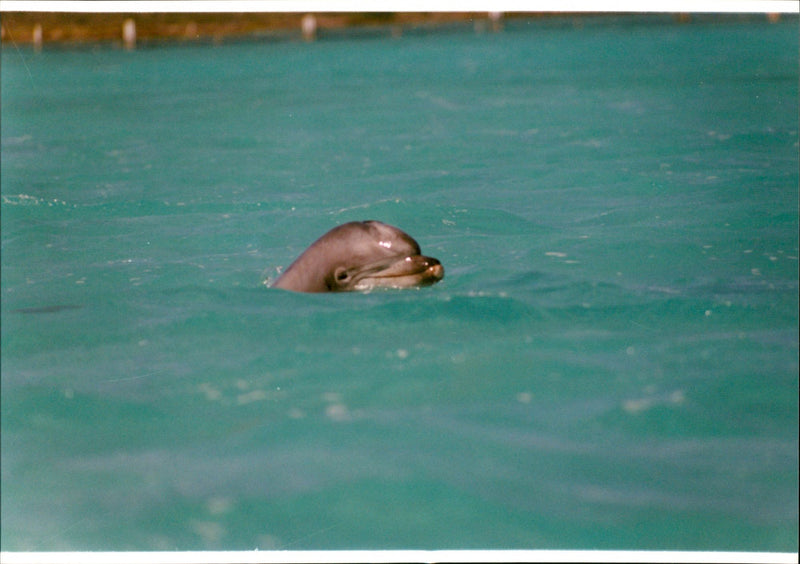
<point>361,255</point>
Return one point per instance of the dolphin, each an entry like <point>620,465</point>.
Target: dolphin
<point>361,255</point>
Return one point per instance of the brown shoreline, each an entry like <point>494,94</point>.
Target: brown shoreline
<point>20,27</point>
<point>39,28</point>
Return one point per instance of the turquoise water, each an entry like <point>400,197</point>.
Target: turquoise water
<point>611,361</point>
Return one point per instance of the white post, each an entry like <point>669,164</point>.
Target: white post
<point>129,34</point>
<point>497,20</point>
<point>37,37</point>
<point>308,26</point>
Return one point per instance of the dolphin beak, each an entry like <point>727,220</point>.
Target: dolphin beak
<point>415,264</point>
<point>415,270</point>
<point>430,270</point>
<point>435,271</point>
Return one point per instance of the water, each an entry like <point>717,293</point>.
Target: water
<point>610,362</point>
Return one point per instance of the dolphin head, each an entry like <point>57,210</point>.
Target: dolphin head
<point>361,255</point>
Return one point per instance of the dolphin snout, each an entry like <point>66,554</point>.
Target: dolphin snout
<point>434,269</point>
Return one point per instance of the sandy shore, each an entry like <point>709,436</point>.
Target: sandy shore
<point>30,27</point>
<point>41,28</point>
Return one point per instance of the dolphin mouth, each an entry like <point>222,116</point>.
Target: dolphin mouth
<point>433,273</point>
<point>415,270</point>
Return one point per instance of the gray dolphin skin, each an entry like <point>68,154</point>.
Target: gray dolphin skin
<point>361,255</point>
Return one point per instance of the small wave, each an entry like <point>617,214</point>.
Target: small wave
<point>27,200</point>
<point>47,309</point>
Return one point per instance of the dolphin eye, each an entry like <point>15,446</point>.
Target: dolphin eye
<point>342,275</point>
